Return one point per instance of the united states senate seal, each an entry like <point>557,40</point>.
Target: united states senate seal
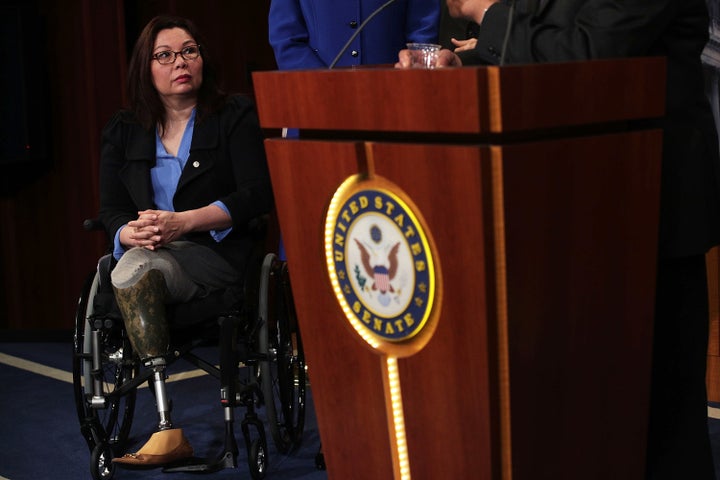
<point>380,262</point>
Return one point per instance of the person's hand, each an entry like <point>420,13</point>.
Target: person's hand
<point>152,229</point>
<point>140,233</point>
<point>445,58</point>
<point>462,45</point>
<point>162,226</point>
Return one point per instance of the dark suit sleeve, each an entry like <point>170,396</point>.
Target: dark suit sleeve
<point>116,205</point>
<point>576,30</point>
<point>567,30</point>
<point>253,194</point>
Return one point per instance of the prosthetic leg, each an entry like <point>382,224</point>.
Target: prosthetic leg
<point>143,309</point>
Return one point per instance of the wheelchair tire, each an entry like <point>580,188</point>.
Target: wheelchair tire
<point>282,371</point>
<point>107,427</point>
<point>101,465</point>
<point>257,459</point>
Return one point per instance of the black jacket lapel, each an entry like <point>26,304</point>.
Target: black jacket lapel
<point>205,139</point>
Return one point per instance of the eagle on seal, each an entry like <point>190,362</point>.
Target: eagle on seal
<point>382,275</point>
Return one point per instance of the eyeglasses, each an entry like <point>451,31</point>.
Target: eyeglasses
<point>166,57</point>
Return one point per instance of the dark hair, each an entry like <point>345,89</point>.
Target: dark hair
<point>143,96</point>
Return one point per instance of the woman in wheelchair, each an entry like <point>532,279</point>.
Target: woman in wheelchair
<point>182,175</point>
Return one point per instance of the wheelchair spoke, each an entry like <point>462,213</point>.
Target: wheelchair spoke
<point>104,415</point>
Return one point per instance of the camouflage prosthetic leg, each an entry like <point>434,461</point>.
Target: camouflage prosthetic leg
<point>143,308</point>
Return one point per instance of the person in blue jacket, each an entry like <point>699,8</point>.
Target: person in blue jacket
<point>310,33</point>
<point>306,34</point>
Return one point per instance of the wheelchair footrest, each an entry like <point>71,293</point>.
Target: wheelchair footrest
<point>204,465</point>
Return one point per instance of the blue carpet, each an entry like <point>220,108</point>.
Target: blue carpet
<point>40,436</point>
<point>714,427</point>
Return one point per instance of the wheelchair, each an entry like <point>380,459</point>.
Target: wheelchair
<point>261,366</point>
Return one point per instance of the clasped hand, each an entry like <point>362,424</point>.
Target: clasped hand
<point>154,228</point>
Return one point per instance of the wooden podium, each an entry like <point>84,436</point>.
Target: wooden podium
<point>538,187</point>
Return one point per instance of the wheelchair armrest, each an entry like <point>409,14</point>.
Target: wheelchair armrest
<point>258,227</point>
<point>92,224</point>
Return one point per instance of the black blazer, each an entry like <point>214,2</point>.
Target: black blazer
<point>566,30</point>
<point>227,162</point>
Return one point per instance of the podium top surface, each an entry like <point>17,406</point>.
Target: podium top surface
<point>467,100</point>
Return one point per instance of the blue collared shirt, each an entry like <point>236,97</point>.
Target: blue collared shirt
<point>165,176</point>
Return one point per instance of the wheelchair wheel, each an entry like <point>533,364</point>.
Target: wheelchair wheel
<point>101,466</point>
<point>282,371</point>
<point>105,424</point>
<point>257,459</point>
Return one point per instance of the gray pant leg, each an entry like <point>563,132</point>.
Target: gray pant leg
<point>190,270</point>
<point>136,262</point>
